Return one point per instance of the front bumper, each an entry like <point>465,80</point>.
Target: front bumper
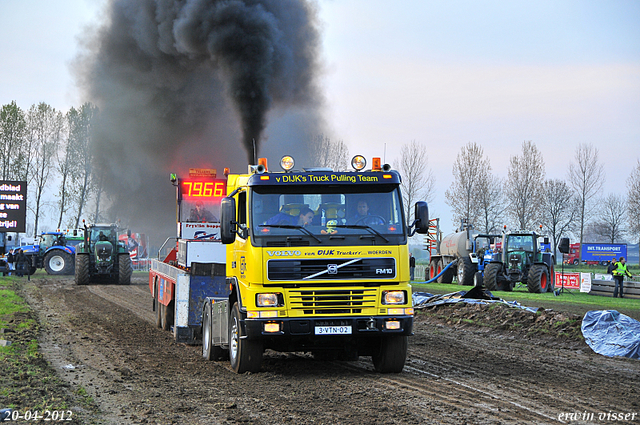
<point>306,328</point>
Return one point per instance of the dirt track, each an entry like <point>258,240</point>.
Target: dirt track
<point>104,339</point>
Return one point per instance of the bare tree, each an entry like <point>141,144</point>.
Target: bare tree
<point>45,128</point>
<point>13,131</point>
<point>633,203</point>
<point>418,182</point>
<point>81,124</point>
<point>329,153</point>
<point>470,170</point>
<point>612,216</point>
<point>559,209</point>
<point>524,186</point>
<point>65,168</point>
<point>491,205</point>
<point>586,176</point>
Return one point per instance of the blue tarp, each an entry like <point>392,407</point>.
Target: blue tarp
<point>424,299</point>
<point>611,334</point>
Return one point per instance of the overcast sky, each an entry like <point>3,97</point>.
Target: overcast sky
<point>444,73</point>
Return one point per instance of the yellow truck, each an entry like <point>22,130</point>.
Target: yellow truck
<point>316,261</point>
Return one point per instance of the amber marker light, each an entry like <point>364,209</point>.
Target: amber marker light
<point>376,164</point>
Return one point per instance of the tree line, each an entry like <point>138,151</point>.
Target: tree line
<point>526,199</point>
<point>46,147</point>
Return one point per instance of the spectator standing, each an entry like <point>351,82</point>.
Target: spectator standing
<point>618,274</point>
<point>21,263</point>
<point>412,266</point>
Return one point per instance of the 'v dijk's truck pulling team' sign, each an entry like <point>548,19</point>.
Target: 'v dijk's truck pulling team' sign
<point>13,206</point>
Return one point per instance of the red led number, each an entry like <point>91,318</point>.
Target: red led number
<point>203,189</point>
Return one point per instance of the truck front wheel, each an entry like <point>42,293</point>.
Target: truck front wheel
<point>82,269</point>
<point>58,262</point>
<point>245,355</point>
<point>391,354</point>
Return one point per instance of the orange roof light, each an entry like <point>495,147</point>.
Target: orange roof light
<point>376,165</point>
<point>263,162</point>
<point>226,171</point>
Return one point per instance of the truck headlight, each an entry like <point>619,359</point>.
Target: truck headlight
<point>267,300</point>
<point>394,297</point>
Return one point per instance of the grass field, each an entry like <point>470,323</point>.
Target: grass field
<point>571,301</point>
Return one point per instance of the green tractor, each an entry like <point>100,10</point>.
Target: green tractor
<point>526,257</point>
<point>101,257</point>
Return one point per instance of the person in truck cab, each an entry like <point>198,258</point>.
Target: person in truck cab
<point>201,215</point>
<point>363,216</point>
<point>303,219</point>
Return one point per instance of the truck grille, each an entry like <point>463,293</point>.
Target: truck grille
<point>332,301</point>
<point>331,269</point>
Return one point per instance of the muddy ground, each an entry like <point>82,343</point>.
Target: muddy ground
<point>470,365</point>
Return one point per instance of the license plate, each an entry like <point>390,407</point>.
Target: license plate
<point>333,330</point>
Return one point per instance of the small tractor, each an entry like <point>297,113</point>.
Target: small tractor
<point>523,259</point>
<point>102,257</point>
<point>484,252</point>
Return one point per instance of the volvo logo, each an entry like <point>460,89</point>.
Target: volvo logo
<point>332,268</point>
<point>283,253</point>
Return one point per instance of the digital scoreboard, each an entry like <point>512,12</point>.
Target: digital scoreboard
<point>202,189</point>
<point>13,206</point>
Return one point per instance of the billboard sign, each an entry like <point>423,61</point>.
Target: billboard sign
<point>13,206</point>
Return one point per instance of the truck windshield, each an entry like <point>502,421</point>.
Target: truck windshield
<point>328,216</point>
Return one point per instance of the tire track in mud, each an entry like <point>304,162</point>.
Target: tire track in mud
<point>135,297</point>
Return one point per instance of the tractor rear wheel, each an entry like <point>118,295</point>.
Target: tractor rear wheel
<point>466,269</point>
<point>124,269</point>
<point>538,279</point>
<point>391,354</point>
<point>82,269</point>
<point>491,272</point>
<point>58,262</point>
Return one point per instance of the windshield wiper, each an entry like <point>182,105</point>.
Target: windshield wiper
<point>360,226</point>
<point>292,226</point>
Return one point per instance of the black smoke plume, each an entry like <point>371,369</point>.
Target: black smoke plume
<point>195,83</point>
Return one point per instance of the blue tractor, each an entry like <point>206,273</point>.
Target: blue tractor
<point>55,252</point>
<point>483,252</point>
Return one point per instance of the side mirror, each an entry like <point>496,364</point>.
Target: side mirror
<point>129,233</point>
<point>228,220</point>
<point>563,246</point>
<point>421,217</point>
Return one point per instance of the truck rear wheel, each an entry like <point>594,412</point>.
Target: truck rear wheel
<point>166,316</point>
<point>491,276</point>
<point>538,279</point>
<point>82,269</point>
<point>466,270</point>
<point>124,269</point>
<point>58,262</point>
<point>209,351</point>
<point>245,355</point>
<point>391,354</point>
<point>158,310</point>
